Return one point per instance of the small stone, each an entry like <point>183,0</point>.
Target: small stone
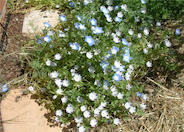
<point>34,21</point>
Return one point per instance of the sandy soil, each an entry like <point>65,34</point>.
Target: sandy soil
<point>23,114</point>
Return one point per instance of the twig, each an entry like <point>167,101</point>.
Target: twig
<point>157,84</point>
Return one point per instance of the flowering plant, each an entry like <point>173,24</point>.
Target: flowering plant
<point>85,69</point>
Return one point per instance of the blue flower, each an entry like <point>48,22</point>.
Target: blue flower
<point>71,4</point>
<point>74,46</point>
<point>4,88</point>
<point>109,55</point>
<point>122,68</point>
<point>66,29</point>
<point>47,38</point>
<point>114,50</point>
<point>143,1</point>
<point>89,40</point>
<point>116,7</point>
<point>82,26</point>
<point>104,10</point>
<point>93,22</point>
<point>61,34</point>
<point>47,25</point>
<point>39,41</point>
<point>50,33</point>
<point>115,69</point>
<point>79,18</point>
<point>178,32</point>
<point>76,25</point>
<point>117,19</point>
<point>106,84</point>
<point>117,77</point>
<point>104,65</point>
<point>127,58</point>
<point>126,49</point>
<point>139,94</point>
<point>63,18</point>
<point>98,30</point>
<point>125,42</point>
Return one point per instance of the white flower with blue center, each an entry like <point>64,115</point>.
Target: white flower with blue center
<point>47,38</point>
<point>131,32</point>
<point>93,22</point>
<point>143,106</point>
<point>87,2</point>
<point>82,129</point>
<point>124,7</point>
<point>116,39</point>
<point>59,91</point>
<point>146,31</point>
<point>105,114</point>
<point>80,99</point>
<point>93,122</point>
<point>178,32</point>
<point>89,40</point>
<point>50,33</point>
<point>57,56</point>
<point>128,105</point>
<point>116,121</point>
<point>74,46</point>
<point>83,108</point>
<point>132,110</point>
<point>110,8</point>
<point>63,18</point>
<point>64,99</point>
<point>168,43</point>
<point>120,14</point>
<point>54,74</point>
<point>87,114</point>
<point>114,50</point>
<point>47,25</point>
<point>69,109</point>
<point>93,96</point>
<point>65,83</point>
<point>106,85</point>
<point>89,55</point>
<point>77,77</point>
<point>117,77</point>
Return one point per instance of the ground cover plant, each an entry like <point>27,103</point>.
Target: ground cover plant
<point>86,68</point>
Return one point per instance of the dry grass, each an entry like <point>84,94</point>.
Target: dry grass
<point>165,112</point>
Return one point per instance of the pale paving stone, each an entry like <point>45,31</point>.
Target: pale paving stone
<point>25,115</point>
<point>34,21</point>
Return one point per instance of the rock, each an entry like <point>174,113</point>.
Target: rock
<point>24,115</point>
<point>34,21</point>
